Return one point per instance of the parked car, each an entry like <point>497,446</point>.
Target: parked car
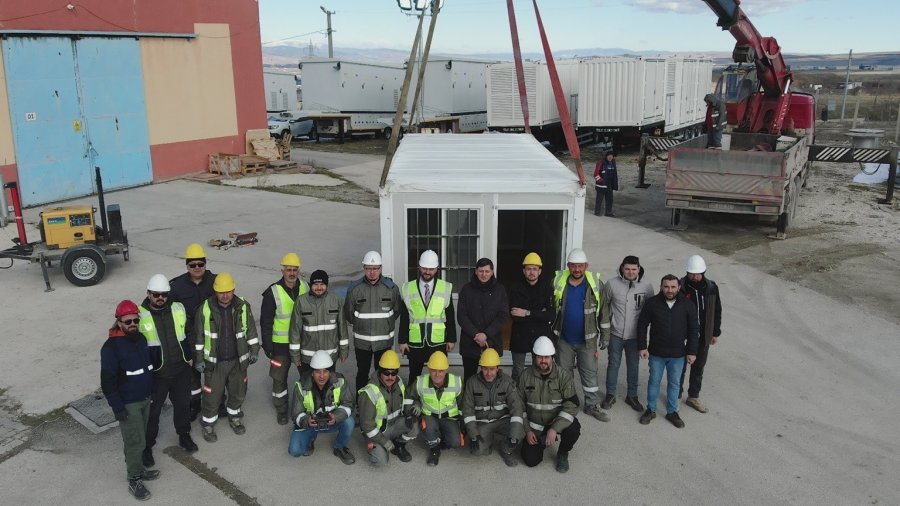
<point>296,124</point>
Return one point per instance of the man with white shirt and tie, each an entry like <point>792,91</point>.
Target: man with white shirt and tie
<point>428,324</point>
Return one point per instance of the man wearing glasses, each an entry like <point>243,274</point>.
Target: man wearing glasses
<point>381,412</point>
<point>163,324</point>
<point>191,289</point>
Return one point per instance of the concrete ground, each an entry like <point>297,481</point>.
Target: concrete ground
<point>804,392</point>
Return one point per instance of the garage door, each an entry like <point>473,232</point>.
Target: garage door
<point>76,104</point>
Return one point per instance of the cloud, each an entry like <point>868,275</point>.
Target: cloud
<point>757,7</point>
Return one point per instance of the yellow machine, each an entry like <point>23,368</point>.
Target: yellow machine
<point>63,227</point>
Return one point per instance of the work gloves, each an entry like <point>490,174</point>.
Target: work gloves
<point>253,359</point>
<point>415,410</point>
<point>604,335</point>
<point>121,415</point>
<point>200,366</point>
<point>602,343</point>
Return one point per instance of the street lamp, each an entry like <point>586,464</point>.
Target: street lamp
<point>418,5</point>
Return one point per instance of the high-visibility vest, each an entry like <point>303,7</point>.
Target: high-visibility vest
<point>446,403</point>
<point>377,399</point>
<point>209,335</point>
<point>148,328</point>
<point>562,278</point>
<point>284,306</point>
<point>435,314</point>
<point>309,404</point>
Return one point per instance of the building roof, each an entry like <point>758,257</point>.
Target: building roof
<point>478,163</point>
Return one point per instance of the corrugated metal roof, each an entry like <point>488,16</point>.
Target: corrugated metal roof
<point>472,163</point>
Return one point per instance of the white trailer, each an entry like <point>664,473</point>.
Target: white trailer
<point>688,80</point>
<point>281,92</point>
<point>454,88</point>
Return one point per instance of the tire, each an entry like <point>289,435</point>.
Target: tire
<point>84,267</point>
<point>386,133</point>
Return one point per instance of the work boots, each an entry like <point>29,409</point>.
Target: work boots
<point>434,455</point>
<point>562,462</point>
<point>401,452</point>
<point>647,417</point>
<point>237,426</point>
<point>137,489</point>
<point>597,413</point>
<point>345,455</point>
<point>150,474</point>
<point>187,443</point>
<point>608,401</point>
<point>209,434</point>
<point>695,403</point>
<point>634,403</point>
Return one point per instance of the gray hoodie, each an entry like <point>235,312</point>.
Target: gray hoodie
<point>622,303</point>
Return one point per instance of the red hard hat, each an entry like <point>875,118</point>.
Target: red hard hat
<point>126,307</point>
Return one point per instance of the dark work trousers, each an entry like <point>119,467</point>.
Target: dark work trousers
<point>602,193</point>
<point>226,376</point>
<point>417,358</point>
<point>470,367</point>
<point>279,375</point>
<point>438,430</point>
<point>696,372</point>
<point>534,454</point>
<point>364,360</point>
<point>178,389</point>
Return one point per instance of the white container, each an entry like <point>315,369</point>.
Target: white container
<point>452,88</point>
<point>281,92</point>
<point>621,92</point>
<point>688,80</point>
<point>332,85</point>
<point>504,109</point>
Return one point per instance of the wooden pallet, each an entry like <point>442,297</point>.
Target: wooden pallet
<point>228,164</point>
<point>251,164</point>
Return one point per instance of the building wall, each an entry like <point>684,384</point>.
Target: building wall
<point>202,94</point>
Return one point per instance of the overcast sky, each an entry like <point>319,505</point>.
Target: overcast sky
<point>475,26</point>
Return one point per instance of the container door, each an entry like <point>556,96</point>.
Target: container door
<point>112,90</point>
<point>51,151</point>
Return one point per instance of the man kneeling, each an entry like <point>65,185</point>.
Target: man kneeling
<point>435,398</point>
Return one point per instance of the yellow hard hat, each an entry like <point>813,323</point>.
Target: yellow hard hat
<point>389,360</point>
<point>532,259</point>
<point>489,358</point>
<point>291,260</point>
<point>438,361</point>
<point>194,250</point>
<point>223,283</point>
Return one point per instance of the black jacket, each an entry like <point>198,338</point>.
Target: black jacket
<point>191,295</point>
<point>707,299</point>
<point>125,371</point>
<point>482,307</point>
<point>538,299</point>
<point>169,357</point>
<point>669,327</point>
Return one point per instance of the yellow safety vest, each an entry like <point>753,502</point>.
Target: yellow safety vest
<point>562,278</point>
<point>284,306</point>
<point>148,327</point>
<point>446,403</point>
<point>434,315</point>
<point>209,335</point>
<point>377,399</point>
<point>309,404</point>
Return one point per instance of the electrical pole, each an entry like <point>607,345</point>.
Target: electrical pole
<point>846,84</point>
<point>330,46</point>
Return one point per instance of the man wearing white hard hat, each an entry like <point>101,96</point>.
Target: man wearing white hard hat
<point>372,307</point>
<point>705,294</point>
<point>164,325</point>
<point>551,404</point>
<point>578,300</point>
<point>428,324</point>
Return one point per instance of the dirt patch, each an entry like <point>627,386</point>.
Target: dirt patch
<point>357,145</point>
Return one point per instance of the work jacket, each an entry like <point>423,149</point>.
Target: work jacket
<point>673,330</point>
<point>484,402</point>
<point>430,326</point>
<point>318,324</point>
<point>550,401</point>
<point>709,307</point>
<point>335,398</point>
<point>593,301</point>
<point>191,295</point>
<point>622,303</point>
<point>275,316</point>
<point>437,402</point>
<point>379,407</point>
<point>538,299</point>
<point>482,307</point>
<point>166,333</point>
<point>125,369</point>
<point>373,311</point>
<point>208,325</point>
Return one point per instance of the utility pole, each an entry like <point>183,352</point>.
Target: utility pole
<point>846,84</point>
<point>330,46</point>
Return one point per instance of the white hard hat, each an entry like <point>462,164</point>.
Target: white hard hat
<point>372,258</point>
<point>321,360</point>
<point>429,260</point>
<point>577,256</point>
<point>158,283</point>
<point>543,347</point>
<point>695,265</point>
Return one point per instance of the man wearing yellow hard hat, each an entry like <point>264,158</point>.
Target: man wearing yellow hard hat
<point>531,308</point>
<point>382,404</point>
<point>228,345</point>
<point>435,399</point>
<point>274,325</point>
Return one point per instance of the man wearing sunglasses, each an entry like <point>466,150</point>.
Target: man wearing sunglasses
<point>191,289</point>
<point>382,404</point>
<point>126,380</point>
<point>163,324</point>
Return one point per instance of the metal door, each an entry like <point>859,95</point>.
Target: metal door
<point>76,104</point>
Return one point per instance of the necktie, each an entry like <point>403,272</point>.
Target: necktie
<point>427,295</point>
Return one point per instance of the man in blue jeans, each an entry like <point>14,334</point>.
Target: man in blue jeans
<point>674,333</point>
<point>322,403</point>
<point>623,298</point>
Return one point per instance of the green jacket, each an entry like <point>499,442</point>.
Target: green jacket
<point>317,323</point>
<point>395,404</point>
<point>549,401</point>
<point>373,311</point>
<point>484,402</point>
<point>207,330</point>
<point>593,303</point>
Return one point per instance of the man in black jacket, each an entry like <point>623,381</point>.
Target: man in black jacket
<point>705,295</point>
<point>531,307</point>
<point>482,311</point>
<point>673,320</point>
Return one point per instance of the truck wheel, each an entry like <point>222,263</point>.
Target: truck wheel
<point>386,133</point>
<point>84,267</point>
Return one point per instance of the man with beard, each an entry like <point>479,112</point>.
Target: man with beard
<point>318,324</point>
<point>164,325</point>
<point>482,311</point>
<point>531,307</point>
<point>382,405</point>
<point>672,319</point>
<point>705,295</point>
<point>434,397</point>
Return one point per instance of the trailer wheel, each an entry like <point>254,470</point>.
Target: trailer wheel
<point>84,267</point>
<point>386,133</point>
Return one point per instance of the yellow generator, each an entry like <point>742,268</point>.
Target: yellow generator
<point>63,227</point>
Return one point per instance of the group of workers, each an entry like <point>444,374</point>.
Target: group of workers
<point>193,339</point>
